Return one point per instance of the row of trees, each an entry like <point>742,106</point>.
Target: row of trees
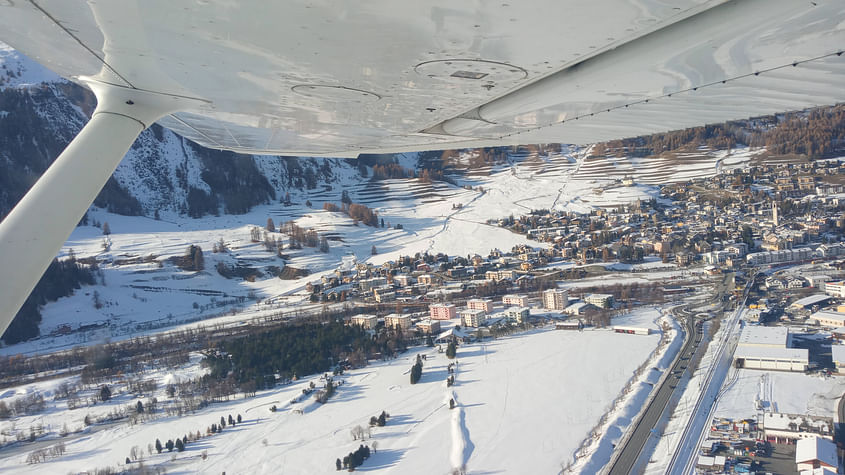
<point>304,237</point>
<point>416,370</point>
<point>356,211</point>
<point>354,459</point>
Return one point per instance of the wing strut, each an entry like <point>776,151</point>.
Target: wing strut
<point>34,231</point>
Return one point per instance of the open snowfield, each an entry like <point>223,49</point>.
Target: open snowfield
<point>793,393</point>
<point>525,403</point>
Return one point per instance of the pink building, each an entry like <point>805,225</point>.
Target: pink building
<point>515,301</point>
<point>442,311</point>
<point>480,304</point>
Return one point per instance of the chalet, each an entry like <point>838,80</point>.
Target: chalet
<point>452,333</point>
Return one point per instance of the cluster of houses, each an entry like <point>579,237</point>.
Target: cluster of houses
<point>779,210</point>
<point>482,313</point>
<point>425,276</point>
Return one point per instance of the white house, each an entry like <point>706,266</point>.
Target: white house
<point>816,453</point>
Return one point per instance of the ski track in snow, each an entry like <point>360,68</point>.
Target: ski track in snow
<point>462,446</point>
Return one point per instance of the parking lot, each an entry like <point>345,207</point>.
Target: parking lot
<point>780,462</point>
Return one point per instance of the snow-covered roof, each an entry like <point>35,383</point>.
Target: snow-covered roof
<point>811,300</point>
<point>453,332</point>
<point>471,311</point>
<point>771,352</point>
<point>781,421</point>
<point>517,309</point>
<point>753,335</point>
<point>816,448</point>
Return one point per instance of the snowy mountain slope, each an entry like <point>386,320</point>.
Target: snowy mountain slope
<point>160,170</point>
<point>16,70</point>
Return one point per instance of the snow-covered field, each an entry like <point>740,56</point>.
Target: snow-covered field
<point>525,403</point>
<point>793,393</point>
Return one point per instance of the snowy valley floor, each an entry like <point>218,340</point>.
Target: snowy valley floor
<point>525,403</point>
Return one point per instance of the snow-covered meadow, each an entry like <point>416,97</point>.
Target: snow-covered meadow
<point>524,402</point>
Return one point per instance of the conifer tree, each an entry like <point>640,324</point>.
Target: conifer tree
<point>451,349</point>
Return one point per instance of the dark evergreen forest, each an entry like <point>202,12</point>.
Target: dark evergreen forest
<point>298,350</point>
<point>60,280</point>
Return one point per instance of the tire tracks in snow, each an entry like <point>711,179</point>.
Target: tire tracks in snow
<point>450,216</point>
<point>579,160</point>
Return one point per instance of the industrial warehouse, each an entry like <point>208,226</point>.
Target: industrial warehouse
<point>769,348</point>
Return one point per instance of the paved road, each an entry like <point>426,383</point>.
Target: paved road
<point>627,456</point>
<point>624,462</point>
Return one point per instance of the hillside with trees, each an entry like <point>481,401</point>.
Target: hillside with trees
<point>816,133</point>
<point>60,280</point>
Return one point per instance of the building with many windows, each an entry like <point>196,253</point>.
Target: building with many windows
<point>473,318</point>
<point>397,321</point>
<point>513,300</point>
<point>367,322</point>
<point>442,311</point>
<point>517,314</point>
<point>600,300</point>
<point>430,327</point>
<point>555,299</point>
<point>480,304</point>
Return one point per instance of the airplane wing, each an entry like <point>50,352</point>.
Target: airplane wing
<point>339,78</point>
<point>344,77</point>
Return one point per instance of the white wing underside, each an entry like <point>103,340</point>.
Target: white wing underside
<point>339,78</point>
